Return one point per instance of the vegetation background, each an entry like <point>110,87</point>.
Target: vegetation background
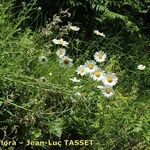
<point>39,102</point>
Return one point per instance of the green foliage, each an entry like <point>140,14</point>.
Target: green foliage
<point>125,11</point>
<point>39,101</point>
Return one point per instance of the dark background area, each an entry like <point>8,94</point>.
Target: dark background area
<point>83,14</point>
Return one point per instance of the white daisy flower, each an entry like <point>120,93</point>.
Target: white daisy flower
<point>61,52</point>
<point>100,56</point>
<point>107,91</point>
<point>74,28</point>
<point>42,59</point>
<point>110,79</point>
<point>90,66</point>
<point>99,33</point>
<point>75,80</point>
<point>66,62</point>
<point>60,42</point>
<point>81,70</point>
<point>141,67</point>
<point>97,74</point>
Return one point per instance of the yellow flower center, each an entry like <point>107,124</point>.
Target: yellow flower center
<point>60,41</point>
<point>90,66</point>
<point>81,70</point>
<point>66,61</point>
<point>97,73</point>
<point>108,90</point>
<point>100,55</point>
<point>109,79</point>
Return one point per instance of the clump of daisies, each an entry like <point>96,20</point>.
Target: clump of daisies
<point>107,80</point>
<point>64,60</point>
<point>59,41</point>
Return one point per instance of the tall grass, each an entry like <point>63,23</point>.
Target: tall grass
<point>39,102</point>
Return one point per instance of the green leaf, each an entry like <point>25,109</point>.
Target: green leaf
<point>137,129</point>
<point>57,127</point>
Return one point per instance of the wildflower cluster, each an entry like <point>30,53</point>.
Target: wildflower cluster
<point>91,69</point>
<point>64,60</point>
